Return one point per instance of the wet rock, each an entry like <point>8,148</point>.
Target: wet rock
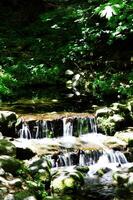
<point>111,124</point>
<point>16,182</point>
<point>9,197</point>
<point>104,112</point>
<point>113,118</point>
<point>100,172</point>
<point>114,143</point>
<point>2,172</point>
<point>120,178</point>
<point>7,148</point>
<point>130,105</point>
<point>10,164</point>
<point>40,167</point>
<point>121,109</point>
<point>67,181</point>
<point>24,154</point>
<point>24,195</point>
<point>126,135</point>
<point>7,123</point>
<point>83,169</point>
<point>30,198</point>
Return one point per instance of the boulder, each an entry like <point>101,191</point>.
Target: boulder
<point>24,195</point>
<point>114,118</point>
<point>7,123</point>
<point>126,135</point>
<point>67,181</point>
<point>109,125</point>
<point>10,164</point>
<point>130,105</point>
<point>7,148</point>
<point>104,112</point>
<point>9,197</point>
<point>120,178</point>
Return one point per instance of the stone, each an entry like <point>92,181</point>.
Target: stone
<point>16,182</point>
<point>109,125</point>
<point>24,195</point>
<point>30,198</point>
<point>10,164</point>
<point>7,148</point>
<point>104,112</point>
<point>130,104</point>
<point>114,143</point>
<point>3,182</point>
<point>7,123</point>
<point>9,197</point>
<point>67,181</point>
<point>2,172</point>
<point>125,135</point>
<point>120,178</point>
<point>120,108</point>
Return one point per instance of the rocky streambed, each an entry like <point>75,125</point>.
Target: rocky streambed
<point>89,165</point>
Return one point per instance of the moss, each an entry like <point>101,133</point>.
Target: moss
<point>10,164</point>
<point>7,148</point>
<point>23,194</point>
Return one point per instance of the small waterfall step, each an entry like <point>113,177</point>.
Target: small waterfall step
<point>66,126</point>
<point>88,158</point>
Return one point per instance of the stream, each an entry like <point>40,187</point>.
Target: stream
<point>74,135</point>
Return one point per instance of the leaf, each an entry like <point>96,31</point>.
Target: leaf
<point>108,12</point>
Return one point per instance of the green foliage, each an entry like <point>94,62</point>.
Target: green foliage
<point>7,82</point>
<point>119,18</point>
<point>22,195</point>
<point>84,36</point>
<point>34,184</point>
<point>105,85</point>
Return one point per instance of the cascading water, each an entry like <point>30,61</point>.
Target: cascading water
<point>72,126</point>
<point>24,132</point>
<point>69,128</point>
<point>93,125</point>
<point>88,158</point>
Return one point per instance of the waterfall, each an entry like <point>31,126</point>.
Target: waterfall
<point>67,127</point>
<point>45,128</point>
<point>93,125</point>
<point>79,126</point>
<point>24,132</point>
<point>89,158</point>
<point>71,126</point>
<point>77,139</point>
<point>116,157</point>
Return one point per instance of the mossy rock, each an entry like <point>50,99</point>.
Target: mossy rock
<point>104,112</point>
<point>109,125</point>
<point>23,195</point>
<point>126,136</point>
<point>67,182</point>
<point>10,164</point>
<point>120,178</point>
<point>7,148</point>
<point>100,172</point>
<point>82,169</point>
<point>7,123</point>
<point>40,166</point>
<point>123,109</point>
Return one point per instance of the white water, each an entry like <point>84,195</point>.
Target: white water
<point>67,127</point>
<point>100,155</point>
<point>84,125</point>
<point>70,127</point>
<point>93,125</point>
<point>24,132</point>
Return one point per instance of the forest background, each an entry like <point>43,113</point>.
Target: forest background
<point>84,47</point>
